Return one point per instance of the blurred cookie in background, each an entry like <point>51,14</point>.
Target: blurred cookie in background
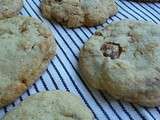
<point>76,13</point>
<point>10,8</point>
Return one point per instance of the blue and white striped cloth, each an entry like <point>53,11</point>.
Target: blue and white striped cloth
<point>63,74</point>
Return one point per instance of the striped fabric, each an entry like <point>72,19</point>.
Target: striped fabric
<point>63,74</point>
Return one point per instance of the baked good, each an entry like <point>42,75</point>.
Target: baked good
<point>51,105</point>
<point>10,8</point>
<point>26,47</point>
<point>123,59</point>
<point>75,13</point>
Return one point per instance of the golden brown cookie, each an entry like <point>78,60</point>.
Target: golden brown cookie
<point>51,105</point>
<point>123,59</point>
<point>75,13</point>
<point>10,8</point>
<point>26,47</point>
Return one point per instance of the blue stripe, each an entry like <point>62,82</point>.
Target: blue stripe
<point>110,106</point>
<point>60,76</point>
<point>132,10</point>
<point>125,110</point>
<point>157,109</point>
<point>149,113</point>
<point>156,5</point>
<point>44,84</point>
<point>71,38</point>
<point>142,11</point>
<point>149,12</point>
<point>53,81</point>
<point>142,116</point>
<point>78,36</point>
<point>5,109</point>
<point>153,8</point>
<point>127,11</point>
<point>35,87</point>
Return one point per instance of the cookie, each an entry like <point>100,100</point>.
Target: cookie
<point>75,13</point>
<point>51,105</point>
<point>25,49</point>
<point>123,59</point>
<point>10,8</point>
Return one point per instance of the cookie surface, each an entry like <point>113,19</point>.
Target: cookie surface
<point>124,60</point>
<point>75,13</point>
<point>51,105</point>
<point>10,8</point>
<point>25,49</point>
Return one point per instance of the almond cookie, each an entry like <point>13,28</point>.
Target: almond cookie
<point>51,105</point>
<point>25,50</point>
<point>10,8</point>
<point>123,59</point>
<point>75,13</point>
